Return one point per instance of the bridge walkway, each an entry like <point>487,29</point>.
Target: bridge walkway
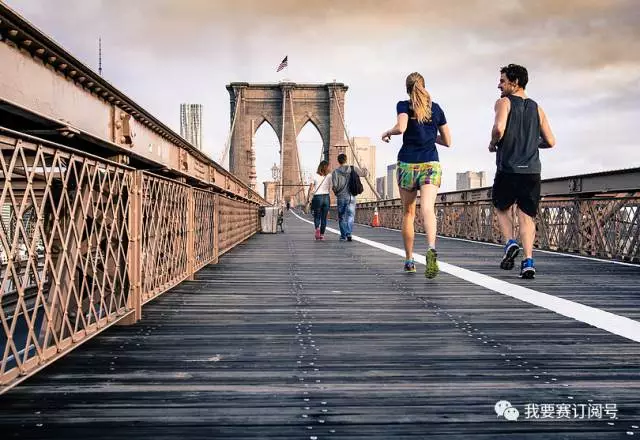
<point>291,338</point>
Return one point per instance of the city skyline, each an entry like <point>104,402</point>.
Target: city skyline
<point>583,59</point>
<point>191,124</point>
<point>471,180</point>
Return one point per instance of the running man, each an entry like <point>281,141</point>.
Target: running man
<point>520,129</point>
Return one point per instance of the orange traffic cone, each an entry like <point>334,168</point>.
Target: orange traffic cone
<point>376,220</point>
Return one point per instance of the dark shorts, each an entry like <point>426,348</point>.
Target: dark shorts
<point>521,189</point>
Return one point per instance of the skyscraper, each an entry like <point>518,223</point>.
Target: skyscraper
<point>381,186</point>
<point>191,124</point>
<point>392,185</point>
<point>366,152</point>
<point>470,180</point>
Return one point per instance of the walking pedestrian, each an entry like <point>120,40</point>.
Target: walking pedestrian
<point>320,198</point>
<point>346,201</point>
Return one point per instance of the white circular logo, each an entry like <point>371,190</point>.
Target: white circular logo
<point>501,406</point>
<point>511,414</point>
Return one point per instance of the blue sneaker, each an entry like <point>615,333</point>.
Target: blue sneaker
<point>527,269</point>
<point>511,251</point>
<point>409,266</point>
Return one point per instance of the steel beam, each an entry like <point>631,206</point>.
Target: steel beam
<point>41,81</point>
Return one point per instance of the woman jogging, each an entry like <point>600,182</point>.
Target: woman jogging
<point>423,125</point>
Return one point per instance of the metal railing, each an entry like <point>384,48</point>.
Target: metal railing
<point>593,215</point>
<point>85,242</point>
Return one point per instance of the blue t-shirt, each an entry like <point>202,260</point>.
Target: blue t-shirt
<point>419,140</point>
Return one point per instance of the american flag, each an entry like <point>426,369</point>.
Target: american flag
<point>283,64</point>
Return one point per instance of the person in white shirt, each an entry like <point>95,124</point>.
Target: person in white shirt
<point>319,191</point>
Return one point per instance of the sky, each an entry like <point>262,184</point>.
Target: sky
<point>583,58</point>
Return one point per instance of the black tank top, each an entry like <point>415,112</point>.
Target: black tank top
<point>518,148</point>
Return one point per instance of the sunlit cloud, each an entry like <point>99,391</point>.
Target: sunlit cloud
<point>583,57</point>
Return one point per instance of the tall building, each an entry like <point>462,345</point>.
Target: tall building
<point>470,180</point>
<point>392,184</point>
<point>381,186</point>
<point>366,153</point>
<point>191,124</point>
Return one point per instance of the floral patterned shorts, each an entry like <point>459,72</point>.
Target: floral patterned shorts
<point>411,176</point>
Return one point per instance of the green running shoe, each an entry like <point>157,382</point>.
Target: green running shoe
<point>432,264</point>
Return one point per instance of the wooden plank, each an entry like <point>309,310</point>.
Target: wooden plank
<point>394,356</point>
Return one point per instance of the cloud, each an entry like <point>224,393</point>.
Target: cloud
<point>583,57</point>
<point>579,33</point>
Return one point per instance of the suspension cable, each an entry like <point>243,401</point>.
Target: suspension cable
<point>227,146</point>
<point>344,126</point>
<point>319,160</point>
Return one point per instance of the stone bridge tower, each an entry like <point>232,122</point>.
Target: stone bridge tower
<point>287,107</point>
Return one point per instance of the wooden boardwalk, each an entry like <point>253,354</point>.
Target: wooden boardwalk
<point>288,338</point>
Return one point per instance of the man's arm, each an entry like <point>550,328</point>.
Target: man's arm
<point>362,172</point>
<point>501,108</point>
<point>548,139</point>
<point>334,182</point>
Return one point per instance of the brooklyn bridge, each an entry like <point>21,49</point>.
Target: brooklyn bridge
<point>142,296</point>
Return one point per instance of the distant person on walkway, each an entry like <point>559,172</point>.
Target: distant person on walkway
<point>280,223</point>
<point>288,205</point>
<point>346,201</point>
<point>520,129</point>
<point>319,191</point>
<point>422,124</point>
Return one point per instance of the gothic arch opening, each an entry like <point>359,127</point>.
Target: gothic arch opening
<point>266,146</point>
<point>310,147</point>
<point>288,107</point>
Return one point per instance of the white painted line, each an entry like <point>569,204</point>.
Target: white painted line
<point>610,322</point>
<point>562,254</point>
<point>558,253</point>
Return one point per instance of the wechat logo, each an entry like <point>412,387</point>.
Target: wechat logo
<point>504,409</point>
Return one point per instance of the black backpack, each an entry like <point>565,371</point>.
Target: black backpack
<point>355,186</point>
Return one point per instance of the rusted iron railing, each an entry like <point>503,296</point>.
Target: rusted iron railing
<point>86,242</point>
<point>236,222</point>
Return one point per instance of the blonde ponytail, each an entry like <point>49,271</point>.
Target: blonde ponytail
<point>420,98</point>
